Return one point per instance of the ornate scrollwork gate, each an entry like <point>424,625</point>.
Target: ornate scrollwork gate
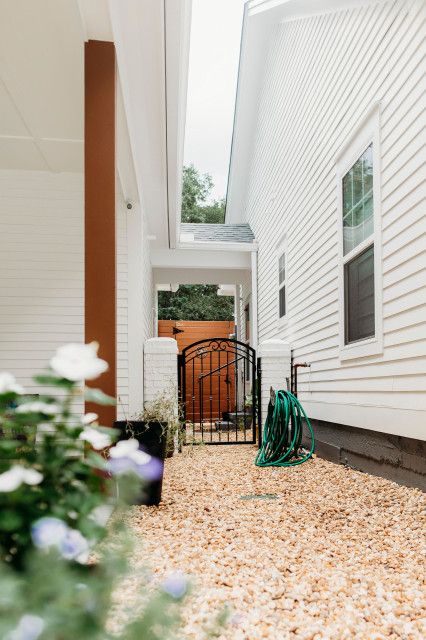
<point>219,392</point>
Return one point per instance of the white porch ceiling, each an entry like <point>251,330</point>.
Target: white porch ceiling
<point>201,276</point>
<point>41,85</point>
<point>42,93</point>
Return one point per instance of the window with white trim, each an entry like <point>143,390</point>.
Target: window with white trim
<point>360,252</point>
<point>358,227</point>
<point>282,304</point>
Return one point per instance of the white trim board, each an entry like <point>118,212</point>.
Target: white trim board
<point>367,132</point>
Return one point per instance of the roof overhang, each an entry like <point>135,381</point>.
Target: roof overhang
<point>232,247</point>
<point>202,259</point>
<point>42,93</point>
<point>181,275</point>
<point>260,19</point>
<point>152,44</point>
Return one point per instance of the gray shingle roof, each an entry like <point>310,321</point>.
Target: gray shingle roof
<point>218,232</point>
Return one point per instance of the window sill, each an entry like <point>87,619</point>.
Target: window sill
<point>361,349</point>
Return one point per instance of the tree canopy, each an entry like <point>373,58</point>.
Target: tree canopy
<point>199,301</point>
<point>196,189</point>
<point>195,302</point>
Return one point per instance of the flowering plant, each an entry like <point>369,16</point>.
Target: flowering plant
<point>56,497</point>
<point>51,478</point>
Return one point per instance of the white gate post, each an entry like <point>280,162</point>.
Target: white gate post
<point>160,367</point>
<point>276,367</point>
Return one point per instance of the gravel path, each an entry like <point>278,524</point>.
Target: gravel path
<point>332,553</point>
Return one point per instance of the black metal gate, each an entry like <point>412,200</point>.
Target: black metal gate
<point>219,389</point>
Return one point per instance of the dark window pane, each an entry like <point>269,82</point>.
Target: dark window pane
<point>247,321</point>
<point>281,268</point>
<point>282,301</point>
<point>359,297</point>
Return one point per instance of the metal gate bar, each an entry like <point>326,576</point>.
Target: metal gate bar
<point>207,384</point>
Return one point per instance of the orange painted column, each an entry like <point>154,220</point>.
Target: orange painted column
<point>99,194</point>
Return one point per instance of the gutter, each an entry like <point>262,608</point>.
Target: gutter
<point>237,90</point>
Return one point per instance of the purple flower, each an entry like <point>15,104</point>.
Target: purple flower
<point>176,585</point>
<point>48,532</point>
<point>127,456</point>
<point>53,532</point>
<point>74,546</point>
<point>152,470</point>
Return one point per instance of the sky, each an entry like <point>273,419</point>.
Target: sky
<point>213,67</point>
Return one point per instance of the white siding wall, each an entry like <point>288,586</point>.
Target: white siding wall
<point>122,256</point>
<point>42,278</point>
<point>134,305</point>
<point>148,320</point>
<point>41,269</point>
<point>323,75</point>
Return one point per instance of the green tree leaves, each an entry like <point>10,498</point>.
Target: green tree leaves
<point>195,302</point>
<point>195,190</point>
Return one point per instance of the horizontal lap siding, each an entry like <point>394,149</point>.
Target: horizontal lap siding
<point>41,269</point>
<point>122,306</point>
<point>149,314</point>
<point>323,74</point>
<point>134,305</point>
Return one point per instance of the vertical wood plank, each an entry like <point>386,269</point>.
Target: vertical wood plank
<point>100,241</point>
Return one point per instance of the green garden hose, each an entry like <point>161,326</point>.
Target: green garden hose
<point>282,433</point>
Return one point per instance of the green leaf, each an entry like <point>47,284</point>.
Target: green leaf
<point>98,397</point>
<point>10,520</point>
<point>53,381</point>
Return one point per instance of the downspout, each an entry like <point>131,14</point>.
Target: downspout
<point>155,312</point>
<point>254,321</point>
<point>237,311</point>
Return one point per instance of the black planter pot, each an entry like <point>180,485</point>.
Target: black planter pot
<point>152,437</point>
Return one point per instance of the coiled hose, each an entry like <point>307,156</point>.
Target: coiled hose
<point>282,433</point>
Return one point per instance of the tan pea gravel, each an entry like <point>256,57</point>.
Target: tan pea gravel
<point>339,554</point>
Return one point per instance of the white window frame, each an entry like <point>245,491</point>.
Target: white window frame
<point>367,133</point>
<point>280,250</point>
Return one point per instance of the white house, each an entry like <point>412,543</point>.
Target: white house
<point>92,113</point>
<point>325,230</point>
<point>328,169</point>
<point>92,116</point>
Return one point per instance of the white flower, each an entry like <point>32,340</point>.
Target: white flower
<point>101,514</point>
<point>48,532</point>
<point>88,418</point>
<point>49,409</point>
<point>31,476</point>
<point>130,449</point>
<point>8,384</point>
<point>78,362</point>
<point>140,457</point>
<point>94,437</point>
<point>124,448</point>
<point>29,628</point>
<point>12,479</point>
